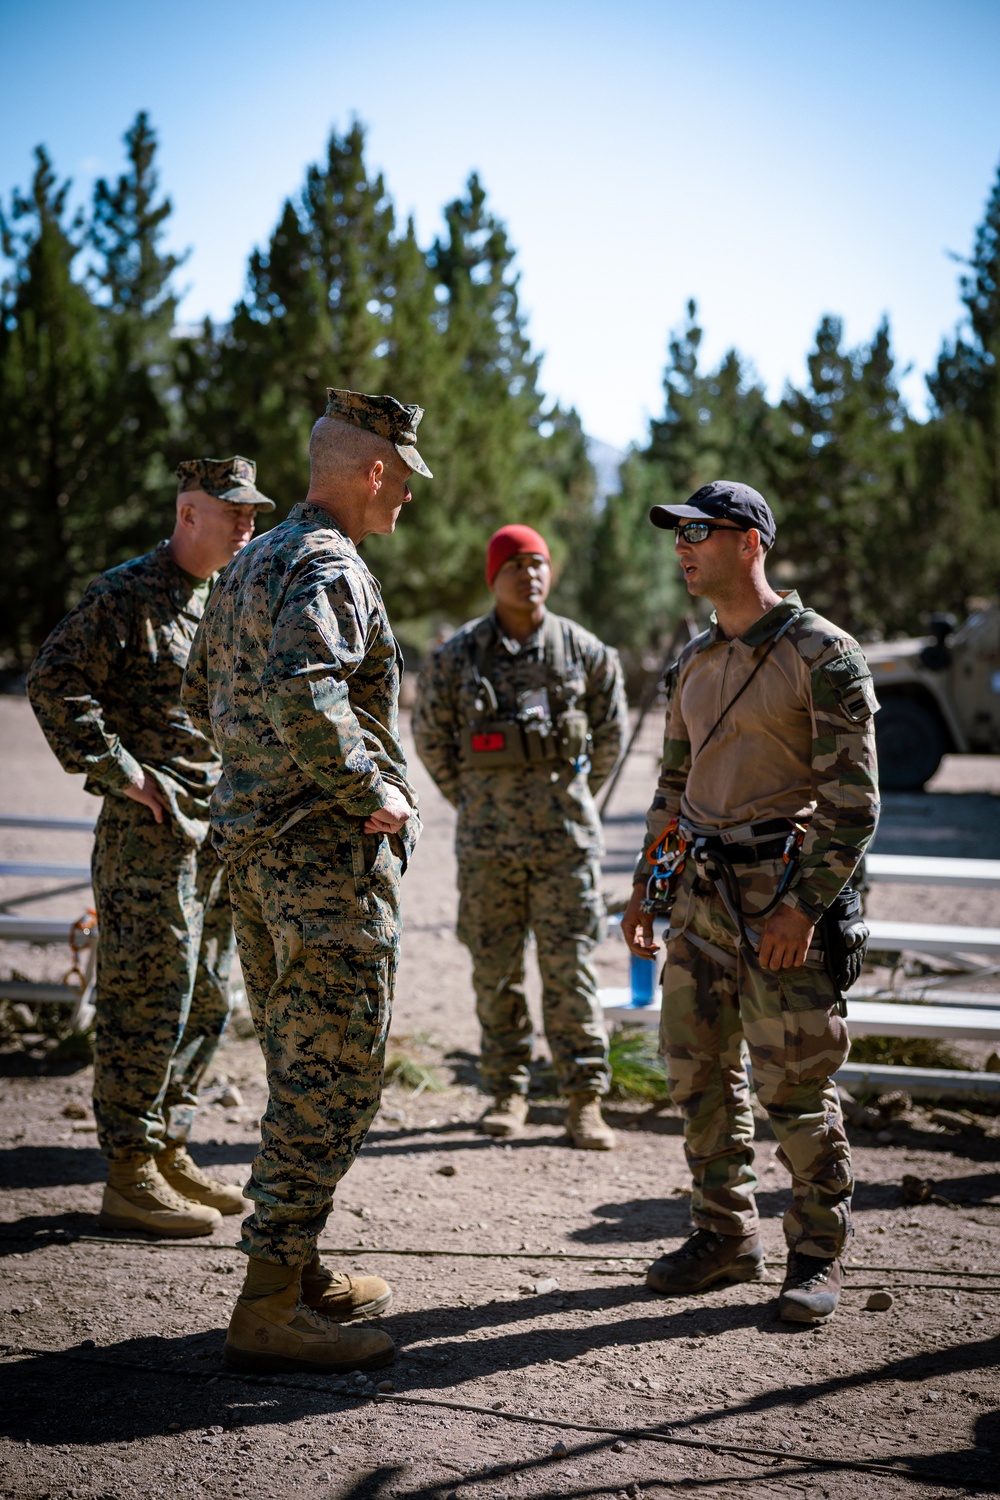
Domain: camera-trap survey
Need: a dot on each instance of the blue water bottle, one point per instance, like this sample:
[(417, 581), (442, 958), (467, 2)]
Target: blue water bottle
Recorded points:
[(643, 980)]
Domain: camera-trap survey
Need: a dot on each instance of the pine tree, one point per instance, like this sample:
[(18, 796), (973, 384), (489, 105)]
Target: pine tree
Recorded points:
[(843, 481), (52, 413), (966, 383), (497, 454), (630, 592), (715, 425), (132, 277), (315, 314)]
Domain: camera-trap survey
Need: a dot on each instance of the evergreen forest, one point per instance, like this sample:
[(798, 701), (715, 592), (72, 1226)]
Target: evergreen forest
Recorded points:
[(883, 518)]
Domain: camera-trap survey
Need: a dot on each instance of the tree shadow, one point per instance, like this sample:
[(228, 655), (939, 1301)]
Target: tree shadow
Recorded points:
[(50, 1166), (635, 1220), (16, 1063), (145, 1387), (40, 1231)]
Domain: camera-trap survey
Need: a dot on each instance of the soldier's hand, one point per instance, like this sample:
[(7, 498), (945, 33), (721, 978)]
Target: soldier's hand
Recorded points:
[(393, 813), (637, 926), (785, 939), (149, 794)]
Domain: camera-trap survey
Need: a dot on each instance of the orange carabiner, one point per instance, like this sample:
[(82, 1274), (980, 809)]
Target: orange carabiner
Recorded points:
[(670, 842), (79, 939)]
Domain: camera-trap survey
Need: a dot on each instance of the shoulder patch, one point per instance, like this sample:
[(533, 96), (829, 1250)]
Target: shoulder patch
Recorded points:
[(815, 638)]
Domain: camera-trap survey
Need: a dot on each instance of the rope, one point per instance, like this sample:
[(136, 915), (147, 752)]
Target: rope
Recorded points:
[(356, 1250), (637, 1434)]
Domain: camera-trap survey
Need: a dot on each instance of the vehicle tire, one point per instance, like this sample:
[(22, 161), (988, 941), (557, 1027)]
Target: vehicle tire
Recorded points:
[(910, 739)]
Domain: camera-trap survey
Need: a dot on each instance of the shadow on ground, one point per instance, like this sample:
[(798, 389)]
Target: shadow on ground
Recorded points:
[(143, 1387)]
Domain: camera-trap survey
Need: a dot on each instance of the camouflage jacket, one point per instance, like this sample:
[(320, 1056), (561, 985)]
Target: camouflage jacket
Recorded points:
[(295, 673), (106, 687), (799, 744), (534, 811)]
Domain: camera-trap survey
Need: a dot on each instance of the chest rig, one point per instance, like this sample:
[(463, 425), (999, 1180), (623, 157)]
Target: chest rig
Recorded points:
[(537, 733)]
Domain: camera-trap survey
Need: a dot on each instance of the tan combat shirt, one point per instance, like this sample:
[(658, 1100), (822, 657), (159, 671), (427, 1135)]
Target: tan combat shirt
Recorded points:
[(798, 744)]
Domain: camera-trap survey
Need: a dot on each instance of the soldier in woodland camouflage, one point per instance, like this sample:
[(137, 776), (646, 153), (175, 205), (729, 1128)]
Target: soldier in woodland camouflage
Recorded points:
[(295, 673), (769, 749), (106, 689), (528, 838)]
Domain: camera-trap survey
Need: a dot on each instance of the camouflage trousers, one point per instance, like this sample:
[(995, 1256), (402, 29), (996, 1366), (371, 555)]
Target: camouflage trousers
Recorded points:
[(500, 901), (721, 1009), (317, 926), (162, 994)]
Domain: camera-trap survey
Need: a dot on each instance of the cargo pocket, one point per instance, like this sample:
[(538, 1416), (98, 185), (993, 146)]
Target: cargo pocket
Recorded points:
[(355, 970), (368, 1025), (808, 987)]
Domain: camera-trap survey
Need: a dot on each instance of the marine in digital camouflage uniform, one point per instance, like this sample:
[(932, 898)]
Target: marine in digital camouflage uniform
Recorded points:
[(106, 688), (528, 838), (295, 673), (795, 746)]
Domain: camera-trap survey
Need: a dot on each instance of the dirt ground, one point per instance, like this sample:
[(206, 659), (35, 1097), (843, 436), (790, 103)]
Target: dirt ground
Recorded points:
[(532, 1360)]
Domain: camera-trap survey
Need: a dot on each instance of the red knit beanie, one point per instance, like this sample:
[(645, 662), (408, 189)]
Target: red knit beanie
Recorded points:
[(507, 543)]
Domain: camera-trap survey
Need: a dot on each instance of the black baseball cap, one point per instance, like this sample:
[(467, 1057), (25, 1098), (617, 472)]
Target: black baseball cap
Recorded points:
[(723, 500)]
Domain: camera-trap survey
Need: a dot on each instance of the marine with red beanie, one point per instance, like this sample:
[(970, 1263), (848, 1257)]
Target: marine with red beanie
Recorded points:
[(519, 719)]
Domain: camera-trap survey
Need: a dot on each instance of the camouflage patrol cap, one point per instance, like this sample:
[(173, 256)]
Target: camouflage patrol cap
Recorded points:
[(232, 479), (383, 415)]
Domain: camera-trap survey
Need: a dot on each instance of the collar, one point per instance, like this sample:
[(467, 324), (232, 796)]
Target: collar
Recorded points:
[(314, 515), (763, 629), (512, 647), (182, 582)]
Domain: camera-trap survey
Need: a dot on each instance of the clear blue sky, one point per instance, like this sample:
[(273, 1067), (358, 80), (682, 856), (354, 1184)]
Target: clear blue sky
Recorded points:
[(775, 160)]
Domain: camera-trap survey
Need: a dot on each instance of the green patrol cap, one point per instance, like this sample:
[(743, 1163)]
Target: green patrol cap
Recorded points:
[(232, 479), (386, 417)]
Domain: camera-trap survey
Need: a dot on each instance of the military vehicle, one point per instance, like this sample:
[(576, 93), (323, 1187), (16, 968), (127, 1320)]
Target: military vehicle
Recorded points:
[(939, 695)]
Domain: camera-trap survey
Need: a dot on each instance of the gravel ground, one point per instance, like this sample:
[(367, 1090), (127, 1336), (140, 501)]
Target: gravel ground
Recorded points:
[(517, 1269)]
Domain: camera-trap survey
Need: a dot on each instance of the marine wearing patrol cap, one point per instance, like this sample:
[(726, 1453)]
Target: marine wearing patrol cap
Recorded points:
[(232, 479), (723, 500), (385, 417)]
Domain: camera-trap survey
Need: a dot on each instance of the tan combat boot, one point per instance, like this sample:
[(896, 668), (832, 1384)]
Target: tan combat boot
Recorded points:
[(586, 1126), (137, 1197), (342, 1298), (187, 1178), (505, 1117), (275, 1332)]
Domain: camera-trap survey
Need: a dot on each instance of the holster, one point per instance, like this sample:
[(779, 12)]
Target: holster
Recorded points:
[(844, 939)]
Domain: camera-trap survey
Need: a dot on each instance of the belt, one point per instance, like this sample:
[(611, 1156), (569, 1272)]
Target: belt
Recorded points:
[(749, 844)]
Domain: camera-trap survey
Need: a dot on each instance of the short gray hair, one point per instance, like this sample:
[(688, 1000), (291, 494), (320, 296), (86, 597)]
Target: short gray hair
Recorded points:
[(339, 449)]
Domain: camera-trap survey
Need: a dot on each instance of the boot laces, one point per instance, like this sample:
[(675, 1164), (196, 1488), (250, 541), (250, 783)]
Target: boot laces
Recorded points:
[(306, 1320), (182, 1162), (808, 1271), (154, 1183), (700, 1244), (327, 1280)]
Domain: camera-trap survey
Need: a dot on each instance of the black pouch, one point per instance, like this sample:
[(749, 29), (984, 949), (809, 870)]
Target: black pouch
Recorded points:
[(844, 938)]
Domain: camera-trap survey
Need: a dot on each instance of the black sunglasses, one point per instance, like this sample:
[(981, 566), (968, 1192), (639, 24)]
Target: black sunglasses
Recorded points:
[(698, 531)]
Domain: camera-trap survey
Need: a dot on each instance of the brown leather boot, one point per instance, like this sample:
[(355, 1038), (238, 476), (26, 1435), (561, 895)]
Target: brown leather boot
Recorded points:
[(277, 1333), (342, 1298), (586, 1126), (811, 1289), (137, 1197), (707, 1259), (187, 1178), (505, 1117)]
